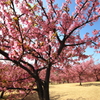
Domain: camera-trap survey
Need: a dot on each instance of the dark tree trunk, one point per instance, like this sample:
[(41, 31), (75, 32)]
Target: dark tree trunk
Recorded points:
[(2, 94), (80, 83), (68, 81), (46, 92), (80, 80), (97, 79), (40, 91), (43, 86), (43, 90)]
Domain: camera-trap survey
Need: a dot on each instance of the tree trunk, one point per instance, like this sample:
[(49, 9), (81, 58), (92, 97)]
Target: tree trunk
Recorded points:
[(80, 80), (97, 79), (68, 81), (80, 83), (46, 93), (40, 91), (2, 93), (43, 91), (43, 86)]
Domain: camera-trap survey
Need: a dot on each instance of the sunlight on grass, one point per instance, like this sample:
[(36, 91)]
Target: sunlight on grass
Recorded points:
[(72, 91)]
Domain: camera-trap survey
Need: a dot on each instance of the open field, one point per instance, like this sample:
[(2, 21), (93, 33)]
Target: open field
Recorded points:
[(72, 91)]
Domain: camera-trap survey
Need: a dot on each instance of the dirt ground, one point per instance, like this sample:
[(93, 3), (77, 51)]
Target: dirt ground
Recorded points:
[(71, 91)]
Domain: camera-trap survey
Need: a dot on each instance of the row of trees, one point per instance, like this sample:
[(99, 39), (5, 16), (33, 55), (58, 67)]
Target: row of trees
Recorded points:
[(36, 38), (81, 72)]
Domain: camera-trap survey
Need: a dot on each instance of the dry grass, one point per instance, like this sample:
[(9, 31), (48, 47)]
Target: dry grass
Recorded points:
[(71, 91)]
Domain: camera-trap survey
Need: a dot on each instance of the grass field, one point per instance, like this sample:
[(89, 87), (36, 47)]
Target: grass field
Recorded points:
[(71, 91)]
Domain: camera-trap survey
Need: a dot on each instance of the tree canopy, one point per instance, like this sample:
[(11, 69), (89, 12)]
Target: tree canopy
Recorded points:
[(36, 38)]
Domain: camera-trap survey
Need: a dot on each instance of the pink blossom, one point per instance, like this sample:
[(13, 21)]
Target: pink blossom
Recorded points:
[(95, 32), (78, 1), (98, 10)]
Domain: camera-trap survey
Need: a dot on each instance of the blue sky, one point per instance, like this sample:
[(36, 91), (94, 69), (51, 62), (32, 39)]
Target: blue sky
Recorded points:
[(89, 51)]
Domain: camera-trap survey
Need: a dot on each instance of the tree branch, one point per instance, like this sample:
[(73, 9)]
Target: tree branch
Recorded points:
[(43, 10), (16, 62), (81, 8), (75, 44), (20, 89), (41, 69)]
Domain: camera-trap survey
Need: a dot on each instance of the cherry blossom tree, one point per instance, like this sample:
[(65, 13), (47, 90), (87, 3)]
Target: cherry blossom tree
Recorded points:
[(95, 72), (37, 38), (13, 77), (81, 70)]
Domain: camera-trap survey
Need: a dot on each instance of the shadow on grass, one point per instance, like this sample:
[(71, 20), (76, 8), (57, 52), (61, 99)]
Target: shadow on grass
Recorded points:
[(80, 98), (91, 84), (56, 97)]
